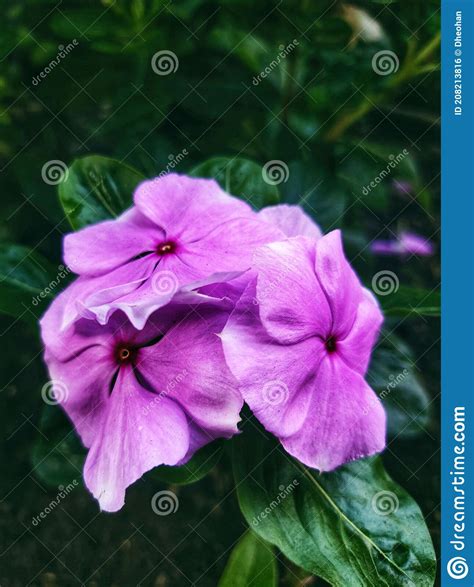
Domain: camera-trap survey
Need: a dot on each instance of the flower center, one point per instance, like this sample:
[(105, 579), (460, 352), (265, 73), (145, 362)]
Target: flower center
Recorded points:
[(166, 248), (124, 354), (330, 344)]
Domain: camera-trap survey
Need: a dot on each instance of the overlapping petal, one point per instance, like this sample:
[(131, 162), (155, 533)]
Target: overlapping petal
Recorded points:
[(339, 282), (291, 220), (292, 303), (356, 347), (275, 379), (187, 366)]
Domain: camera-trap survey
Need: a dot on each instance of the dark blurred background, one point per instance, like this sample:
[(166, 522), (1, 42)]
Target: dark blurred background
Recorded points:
[(326, 109)]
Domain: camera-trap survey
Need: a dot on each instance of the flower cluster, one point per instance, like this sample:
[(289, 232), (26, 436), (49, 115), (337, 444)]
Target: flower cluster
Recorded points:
[(191, 303)]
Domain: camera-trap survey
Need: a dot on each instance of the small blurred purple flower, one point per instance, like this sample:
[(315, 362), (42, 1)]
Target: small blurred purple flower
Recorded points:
[(408, 243), (402, 188)]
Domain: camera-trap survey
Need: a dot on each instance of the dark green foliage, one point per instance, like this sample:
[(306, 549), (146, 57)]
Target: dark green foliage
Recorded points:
[(111, 120)]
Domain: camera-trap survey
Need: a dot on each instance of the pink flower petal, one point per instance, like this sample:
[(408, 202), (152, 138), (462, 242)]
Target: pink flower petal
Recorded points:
[(346, 420), (291, 220), (188, 366), (357, 347), (275, 379), (229, 246), (186, 207), (131, 441), (100, 248), (292, 304), (339, 282)]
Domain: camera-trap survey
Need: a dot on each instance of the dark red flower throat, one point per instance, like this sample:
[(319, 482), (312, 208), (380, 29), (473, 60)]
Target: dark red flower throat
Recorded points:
[(331, 344), (165, 248), (125, 354)]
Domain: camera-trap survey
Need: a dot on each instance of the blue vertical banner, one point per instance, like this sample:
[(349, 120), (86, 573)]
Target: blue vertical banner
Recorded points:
[(457, 525)]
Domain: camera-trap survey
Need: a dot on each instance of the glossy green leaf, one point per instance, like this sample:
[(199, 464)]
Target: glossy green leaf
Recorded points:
[(252, 563), (195, 469), (58, 455), (393, 376), (240, 177), (27, 280), (410, 301), (354, 526), (97, 188)]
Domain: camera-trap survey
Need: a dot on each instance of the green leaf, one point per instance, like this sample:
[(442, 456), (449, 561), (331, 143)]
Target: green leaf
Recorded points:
[(251, 49), (58, 455), (410, 301), (26, 280), (195, 469), (97, 188), (321, 196), (393, 377), (251, 563), (354, 526), (240, 177)]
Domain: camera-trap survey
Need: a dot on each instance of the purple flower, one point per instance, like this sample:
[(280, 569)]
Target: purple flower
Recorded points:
[(403, 188), (301, 353), (141, 398), (182, 232), (408, 243)]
